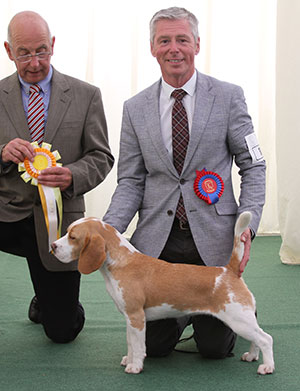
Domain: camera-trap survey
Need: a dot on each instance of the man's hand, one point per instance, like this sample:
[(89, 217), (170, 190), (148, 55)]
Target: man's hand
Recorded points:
[(17, 150), (56, 177), (246, 239)]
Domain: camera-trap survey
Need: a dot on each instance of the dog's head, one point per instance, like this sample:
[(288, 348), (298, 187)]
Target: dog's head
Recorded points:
[(84, 242)]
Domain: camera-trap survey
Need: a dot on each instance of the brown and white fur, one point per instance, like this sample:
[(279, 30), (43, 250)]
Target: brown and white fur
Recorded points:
[(145, 288)]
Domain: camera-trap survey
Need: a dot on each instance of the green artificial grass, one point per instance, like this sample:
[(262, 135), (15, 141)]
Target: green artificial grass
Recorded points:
[(29, 361)]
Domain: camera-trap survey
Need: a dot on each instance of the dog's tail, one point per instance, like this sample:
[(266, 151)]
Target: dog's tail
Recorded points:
[(241, 225)]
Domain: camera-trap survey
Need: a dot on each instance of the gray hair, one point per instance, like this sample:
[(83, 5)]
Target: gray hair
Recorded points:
[(174, 13)]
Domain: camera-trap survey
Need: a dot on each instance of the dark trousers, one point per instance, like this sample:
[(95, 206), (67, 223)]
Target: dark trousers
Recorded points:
[(57, 292), (213, 338)]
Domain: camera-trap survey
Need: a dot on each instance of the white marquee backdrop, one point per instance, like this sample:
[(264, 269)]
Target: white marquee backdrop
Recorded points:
[(107, 44)]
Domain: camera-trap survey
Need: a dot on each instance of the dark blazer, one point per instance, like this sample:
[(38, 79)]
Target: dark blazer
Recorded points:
[(76, 127), (149, 184)]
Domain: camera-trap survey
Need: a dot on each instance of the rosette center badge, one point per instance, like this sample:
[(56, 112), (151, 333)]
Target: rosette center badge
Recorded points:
[(208, 186), (44, 158)]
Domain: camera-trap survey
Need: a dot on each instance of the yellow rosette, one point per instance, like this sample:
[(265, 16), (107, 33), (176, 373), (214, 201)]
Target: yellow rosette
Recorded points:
[(50, 196)]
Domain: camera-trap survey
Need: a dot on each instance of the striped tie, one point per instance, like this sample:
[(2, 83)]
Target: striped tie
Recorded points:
[(180, 140), (36, 119)]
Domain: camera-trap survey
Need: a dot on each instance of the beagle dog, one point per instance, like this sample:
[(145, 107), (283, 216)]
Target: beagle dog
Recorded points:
[(145, 288)]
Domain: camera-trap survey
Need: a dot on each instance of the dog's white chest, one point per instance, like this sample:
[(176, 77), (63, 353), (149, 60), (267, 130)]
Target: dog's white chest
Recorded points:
[(113, 288)]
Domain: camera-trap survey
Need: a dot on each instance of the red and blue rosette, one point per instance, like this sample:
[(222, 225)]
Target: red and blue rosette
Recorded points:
[(208, 186)]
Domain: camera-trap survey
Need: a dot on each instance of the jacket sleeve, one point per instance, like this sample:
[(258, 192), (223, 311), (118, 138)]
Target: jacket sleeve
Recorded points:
[(128, 195), (96, 159), (247, 155)]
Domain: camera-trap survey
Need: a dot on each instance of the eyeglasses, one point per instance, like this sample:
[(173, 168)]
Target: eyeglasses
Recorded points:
[(28, 57)]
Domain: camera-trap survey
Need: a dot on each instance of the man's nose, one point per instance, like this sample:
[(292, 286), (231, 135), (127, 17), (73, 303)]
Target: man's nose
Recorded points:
[(34, 61), (174, 46)]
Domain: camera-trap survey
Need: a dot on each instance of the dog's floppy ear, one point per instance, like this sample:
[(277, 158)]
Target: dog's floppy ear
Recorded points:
[(92, 255)]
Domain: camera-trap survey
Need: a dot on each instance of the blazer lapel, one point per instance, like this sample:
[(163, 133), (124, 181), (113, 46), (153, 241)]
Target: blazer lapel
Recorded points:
[(14, 107), (152, 120), (203, 106), (59, 103)]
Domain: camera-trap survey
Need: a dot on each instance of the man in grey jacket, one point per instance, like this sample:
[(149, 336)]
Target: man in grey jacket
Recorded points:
[(220, 131), (74, 124)]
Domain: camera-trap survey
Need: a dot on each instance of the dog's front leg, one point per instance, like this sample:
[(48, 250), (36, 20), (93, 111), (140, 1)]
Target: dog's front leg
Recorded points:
[(134, 361), (127, 359)]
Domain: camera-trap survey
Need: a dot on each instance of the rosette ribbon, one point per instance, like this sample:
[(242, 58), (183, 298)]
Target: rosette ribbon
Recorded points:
[(50, 196), (208, 186)]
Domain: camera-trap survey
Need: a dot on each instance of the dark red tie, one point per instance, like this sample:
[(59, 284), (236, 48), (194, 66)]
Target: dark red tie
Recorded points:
[(180, 137), (36, 118)]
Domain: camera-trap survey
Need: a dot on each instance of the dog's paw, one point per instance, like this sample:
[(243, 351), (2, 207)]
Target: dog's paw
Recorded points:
[(133, 368), (124, 361), (249, 357), (265, 369)]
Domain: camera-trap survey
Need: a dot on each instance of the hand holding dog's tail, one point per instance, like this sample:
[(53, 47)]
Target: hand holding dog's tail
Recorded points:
[(241, 244)]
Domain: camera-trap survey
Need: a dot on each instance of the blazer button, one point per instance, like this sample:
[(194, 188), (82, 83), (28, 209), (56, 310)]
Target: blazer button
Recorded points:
[(170, 212), (182, 181)]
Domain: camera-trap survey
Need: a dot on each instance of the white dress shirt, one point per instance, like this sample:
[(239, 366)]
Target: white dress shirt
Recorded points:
[(166, 102)]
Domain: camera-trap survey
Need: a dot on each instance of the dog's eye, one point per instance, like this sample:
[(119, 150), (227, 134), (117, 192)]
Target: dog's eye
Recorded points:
[(71, 237)]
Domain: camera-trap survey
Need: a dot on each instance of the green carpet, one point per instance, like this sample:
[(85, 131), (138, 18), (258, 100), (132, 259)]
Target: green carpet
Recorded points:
[(29, 361)]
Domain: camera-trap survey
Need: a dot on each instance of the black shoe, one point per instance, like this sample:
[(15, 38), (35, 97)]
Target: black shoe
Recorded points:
[(34, 312)]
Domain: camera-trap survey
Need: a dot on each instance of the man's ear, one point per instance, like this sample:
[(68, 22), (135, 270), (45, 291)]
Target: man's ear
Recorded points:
[(52, 45), (8, 50), (197, 46), (153, 52)]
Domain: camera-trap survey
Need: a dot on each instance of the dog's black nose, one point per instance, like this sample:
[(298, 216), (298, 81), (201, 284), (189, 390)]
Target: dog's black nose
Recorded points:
[(53, 246)]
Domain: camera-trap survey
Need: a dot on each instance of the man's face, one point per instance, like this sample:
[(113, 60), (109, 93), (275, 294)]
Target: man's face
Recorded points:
[(30, 38), (175, 48)]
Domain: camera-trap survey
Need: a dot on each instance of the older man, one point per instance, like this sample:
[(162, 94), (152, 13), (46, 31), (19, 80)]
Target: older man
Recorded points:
[(178, 141), (72, 120)]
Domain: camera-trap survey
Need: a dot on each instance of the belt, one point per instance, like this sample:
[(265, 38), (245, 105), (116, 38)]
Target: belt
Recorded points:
[(183, 226)]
